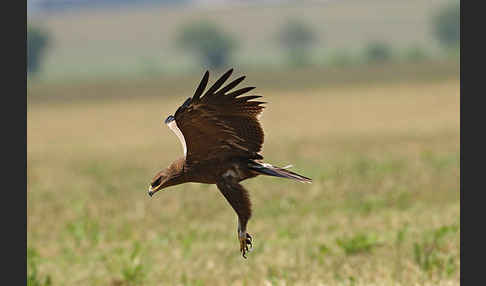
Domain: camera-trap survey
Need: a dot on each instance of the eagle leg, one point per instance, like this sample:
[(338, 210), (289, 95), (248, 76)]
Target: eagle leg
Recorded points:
[(239, 200)]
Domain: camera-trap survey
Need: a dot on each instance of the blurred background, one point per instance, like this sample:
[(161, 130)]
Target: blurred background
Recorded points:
[(363, 98)]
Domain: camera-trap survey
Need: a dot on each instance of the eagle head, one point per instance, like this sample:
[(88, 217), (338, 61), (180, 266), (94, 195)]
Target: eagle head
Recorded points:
[(157, 183), (171, 176)]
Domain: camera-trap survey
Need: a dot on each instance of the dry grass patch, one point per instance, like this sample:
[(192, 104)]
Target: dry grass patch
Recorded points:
[(384, 207)]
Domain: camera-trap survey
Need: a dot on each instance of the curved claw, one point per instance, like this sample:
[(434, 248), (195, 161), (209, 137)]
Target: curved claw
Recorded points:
[(244, 243), (248, 241)]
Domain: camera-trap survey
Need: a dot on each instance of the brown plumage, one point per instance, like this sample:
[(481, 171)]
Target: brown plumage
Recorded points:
[(222, 141)]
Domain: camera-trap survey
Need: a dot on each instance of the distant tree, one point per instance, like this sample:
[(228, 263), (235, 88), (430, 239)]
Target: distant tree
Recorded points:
[(446, 24), (415, 54), (37, 41), (378, 52), (208, 41), (296, 37)]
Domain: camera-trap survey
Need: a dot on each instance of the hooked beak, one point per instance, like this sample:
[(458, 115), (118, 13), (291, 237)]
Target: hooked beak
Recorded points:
[(152, 191)]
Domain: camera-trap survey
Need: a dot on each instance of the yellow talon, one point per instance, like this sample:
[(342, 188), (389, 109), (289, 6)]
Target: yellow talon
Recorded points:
[(245, 241)]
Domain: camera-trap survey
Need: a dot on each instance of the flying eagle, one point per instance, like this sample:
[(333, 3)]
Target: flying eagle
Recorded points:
[(222, 141)]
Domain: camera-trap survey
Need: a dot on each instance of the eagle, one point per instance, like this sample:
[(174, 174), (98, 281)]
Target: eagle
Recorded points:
[(222, 141)]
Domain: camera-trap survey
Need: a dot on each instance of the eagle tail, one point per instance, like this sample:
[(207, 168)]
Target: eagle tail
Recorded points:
[(269, 170)]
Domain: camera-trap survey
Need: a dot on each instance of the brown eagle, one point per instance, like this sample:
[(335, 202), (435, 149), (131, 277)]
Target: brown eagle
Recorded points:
[(222, 141)]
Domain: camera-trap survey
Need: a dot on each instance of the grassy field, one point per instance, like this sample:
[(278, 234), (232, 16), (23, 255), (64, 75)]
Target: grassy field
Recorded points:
[(383, 208)]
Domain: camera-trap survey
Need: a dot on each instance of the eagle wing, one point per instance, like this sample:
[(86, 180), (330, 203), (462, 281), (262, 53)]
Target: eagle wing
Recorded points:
[(219, 124)]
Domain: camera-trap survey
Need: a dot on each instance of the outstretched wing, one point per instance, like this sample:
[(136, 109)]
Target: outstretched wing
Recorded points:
[(219, 124)]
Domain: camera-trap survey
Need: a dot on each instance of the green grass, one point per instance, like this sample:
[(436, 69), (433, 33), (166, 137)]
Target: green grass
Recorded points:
[(431, 253), (33, 276), (383, 208), (358, 243)]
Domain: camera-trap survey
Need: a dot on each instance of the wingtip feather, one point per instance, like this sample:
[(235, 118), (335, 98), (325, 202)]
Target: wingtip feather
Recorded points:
[(202, 85)]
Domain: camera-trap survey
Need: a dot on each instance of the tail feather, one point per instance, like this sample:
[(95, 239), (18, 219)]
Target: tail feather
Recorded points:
[(269, 170)]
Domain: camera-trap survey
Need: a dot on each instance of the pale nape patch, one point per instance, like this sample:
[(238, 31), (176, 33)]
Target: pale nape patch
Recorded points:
[(173, 126)]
